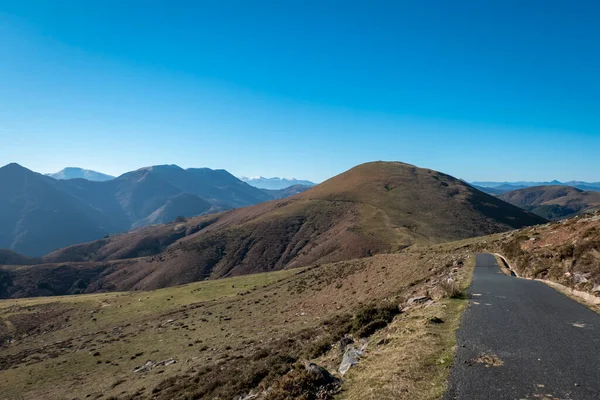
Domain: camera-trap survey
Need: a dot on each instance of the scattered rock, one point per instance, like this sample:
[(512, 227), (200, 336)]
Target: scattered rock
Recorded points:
[(579, 278), (323, 375), (150, 365), (381, 342), (596, 289), (344, 343), (418, 300), (249, 396), (436, 320), (351, 357)]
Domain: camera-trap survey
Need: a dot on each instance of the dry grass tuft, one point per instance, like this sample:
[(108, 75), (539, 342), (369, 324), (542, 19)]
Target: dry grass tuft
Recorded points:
[(452, 290), (489, 360)]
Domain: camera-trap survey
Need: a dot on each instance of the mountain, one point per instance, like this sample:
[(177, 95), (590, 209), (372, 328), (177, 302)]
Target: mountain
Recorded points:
[(287, 192), (39, 213), (76, 173), (217, 186), (554, 202), (9, 257), (373, 208), (275, 183), (508, 186), (36, 215)]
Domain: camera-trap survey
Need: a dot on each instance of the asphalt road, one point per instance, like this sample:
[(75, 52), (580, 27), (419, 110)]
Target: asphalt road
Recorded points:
[(520, 339)]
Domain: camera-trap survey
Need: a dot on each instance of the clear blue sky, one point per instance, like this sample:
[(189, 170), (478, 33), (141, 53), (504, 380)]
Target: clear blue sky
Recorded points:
[(483, 90)]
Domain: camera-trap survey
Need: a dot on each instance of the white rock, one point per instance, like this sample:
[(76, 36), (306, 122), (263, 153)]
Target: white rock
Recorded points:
[(579, 278)]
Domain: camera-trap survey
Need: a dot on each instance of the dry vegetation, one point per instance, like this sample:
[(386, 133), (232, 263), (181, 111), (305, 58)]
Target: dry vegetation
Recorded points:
[(240, 335), (412, 356)]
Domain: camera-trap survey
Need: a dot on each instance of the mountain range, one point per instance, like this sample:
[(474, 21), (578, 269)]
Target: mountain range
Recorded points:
[(378, 207), (554, 202), (75, 173), (275, 183), (39, 213), (503, 187)]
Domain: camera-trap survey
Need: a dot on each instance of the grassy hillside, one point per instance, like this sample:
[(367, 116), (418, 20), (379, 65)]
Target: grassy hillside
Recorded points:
[(554, 202), (239, 335), (373, 208), (421, 202)]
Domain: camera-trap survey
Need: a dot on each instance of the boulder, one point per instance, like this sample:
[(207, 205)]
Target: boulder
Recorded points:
[(579, 278), (344, 343), (323, 376), (351, 357)]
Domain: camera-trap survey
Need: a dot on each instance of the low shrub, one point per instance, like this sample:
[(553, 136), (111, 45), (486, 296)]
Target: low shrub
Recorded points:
[(371, 328), (321, 347), (296, 384), (373, 312), (371, 318)]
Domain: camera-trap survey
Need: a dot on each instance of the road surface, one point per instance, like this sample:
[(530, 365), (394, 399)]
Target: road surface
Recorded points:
[(520, 339)]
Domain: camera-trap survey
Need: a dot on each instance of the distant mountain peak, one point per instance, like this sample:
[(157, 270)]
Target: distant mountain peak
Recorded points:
[(80, 173), (161, 167), (14, 170), (502, 187), (275, 183), (166, 166), (13, 166)]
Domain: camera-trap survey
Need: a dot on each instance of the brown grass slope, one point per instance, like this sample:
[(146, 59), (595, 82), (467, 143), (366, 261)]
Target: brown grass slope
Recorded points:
[(230, 337), (373, 208), (553, 202)]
